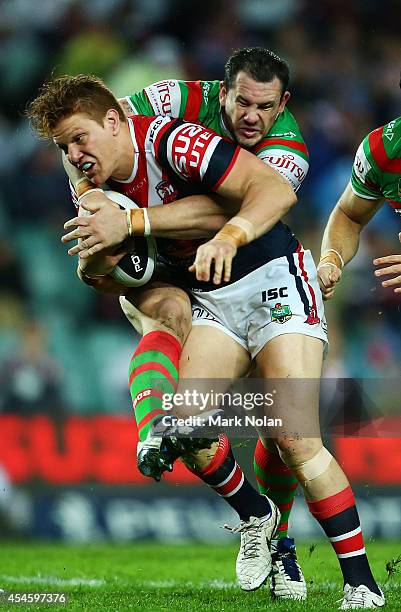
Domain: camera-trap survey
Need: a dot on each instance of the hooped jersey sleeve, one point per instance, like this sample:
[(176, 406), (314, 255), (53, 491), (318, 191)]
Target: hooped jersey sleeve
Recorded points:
[(364, 177), (195, 153), (377, 165), (196, 101)]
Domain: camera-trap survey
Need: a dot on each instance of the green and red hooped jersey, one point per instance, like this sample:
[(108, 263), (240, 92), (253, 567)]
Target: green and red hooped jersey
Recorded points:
[(376, 172), (198, 101)]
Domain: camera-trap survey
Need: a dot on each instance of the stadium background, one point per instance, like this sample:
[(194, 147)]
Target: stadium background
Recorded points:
[(67, 451)]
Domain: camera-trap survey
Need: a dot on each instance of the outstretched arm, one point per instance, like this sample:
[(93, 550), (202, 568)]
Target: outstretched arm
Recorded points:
[(341, 237)]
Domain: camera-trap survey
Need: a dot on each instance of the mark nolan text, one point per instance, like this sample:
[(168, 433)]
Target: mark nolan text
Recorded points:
[(222, 421)]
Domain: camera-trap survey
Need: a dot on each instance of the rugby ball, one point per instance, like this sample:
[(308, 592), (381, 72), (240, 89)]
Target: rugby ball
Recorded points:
[(136, 268)]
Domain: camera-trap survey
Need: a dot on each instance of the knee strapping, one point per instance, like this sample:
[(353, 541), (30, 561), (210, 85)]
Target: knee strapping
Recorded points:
[(314, 467)]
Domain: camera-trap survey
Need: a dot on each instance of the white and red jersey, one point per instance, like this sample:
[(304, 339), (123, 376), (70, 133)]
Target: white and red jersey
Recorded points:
[(174, 159)]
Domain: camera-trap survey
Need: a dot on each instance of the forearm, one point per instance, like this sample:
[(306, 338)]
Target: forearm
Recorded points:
[(341, 236), (197, 216), (265, 203)]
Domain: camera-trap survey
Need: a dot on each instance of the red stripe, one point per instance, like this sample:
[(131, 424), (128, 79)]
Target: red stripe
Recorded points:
[(160, 341), (330, 506), (349, 545), (261, 482), (379, 153), (228, 169), (152, 365), (376, 147), (285, 506), (305, 277), (219, 456), (150, 393), (232, 483), (150, 415), (291, 144), (282, 527), (194, 101)]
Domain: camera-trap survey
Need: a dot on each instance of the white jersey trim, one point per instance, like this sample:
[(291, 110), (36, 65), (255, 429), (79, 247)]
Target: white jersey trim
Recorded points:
[(131, 105), (136, 154), (364, 196)]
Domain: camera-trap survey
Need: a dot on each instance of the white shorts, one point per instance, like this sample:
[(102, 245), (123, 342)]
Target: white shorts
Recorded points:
[(281, 297)]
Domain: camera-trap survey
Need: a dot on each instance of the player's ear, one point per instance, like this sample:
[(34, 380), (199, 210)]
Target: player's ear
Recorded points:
[(112, 120), (284, 99), (222, 94)]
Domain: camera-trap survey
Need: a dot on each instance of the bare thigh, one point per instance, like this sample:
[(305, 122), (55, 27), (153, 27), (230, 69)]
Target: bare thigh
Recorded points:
[(294, 363), (209, 353)]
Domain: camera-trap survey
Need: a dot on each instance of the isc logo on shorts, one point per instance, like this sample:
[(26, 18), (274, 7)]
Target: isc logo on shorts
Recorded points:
[(273, 294)]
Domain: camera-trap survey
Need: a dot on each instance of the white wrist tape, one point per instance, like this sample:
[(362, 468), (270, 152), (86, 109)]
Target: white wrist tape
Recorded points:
[(88, 192), (129, 221), (337, 253), (147, 227), (245, 225)]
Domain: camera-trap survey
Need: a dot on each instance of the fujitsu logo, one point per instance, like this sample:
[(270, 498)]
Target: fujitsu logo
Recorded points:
[(286, 162)]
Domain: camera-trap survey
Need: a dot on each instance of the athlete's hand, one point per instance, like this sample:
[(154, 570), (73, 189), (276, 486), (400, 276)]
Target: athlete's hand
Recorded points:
[(393, 267), (328, 275), (221, 253), (103, 284), (104, 227)]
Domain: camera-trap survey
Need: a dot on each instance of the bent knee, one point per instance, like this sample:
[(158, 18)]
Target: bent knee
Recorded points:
[(296, 450), (175, 314)]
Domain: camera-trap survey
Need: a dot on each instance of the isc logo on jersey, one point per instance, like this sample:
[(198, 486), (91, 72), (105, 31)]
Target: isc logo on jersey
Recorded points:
[(361, 164), (136, 268)]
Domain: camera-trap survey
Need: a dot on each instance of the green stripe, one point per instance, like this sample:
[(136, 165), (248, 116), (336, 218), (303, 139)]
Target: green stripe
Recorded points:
[(151, 380), (281, 497), (141, 103), (143, 433), (280, 479), (147, 356), (184, 97), (147, 405)]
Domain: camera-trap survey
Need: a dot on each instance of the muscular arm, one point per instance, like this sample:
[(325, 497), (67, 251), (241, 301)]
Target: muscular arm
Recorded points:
[(263, 194), (341, 236), (265, 197)]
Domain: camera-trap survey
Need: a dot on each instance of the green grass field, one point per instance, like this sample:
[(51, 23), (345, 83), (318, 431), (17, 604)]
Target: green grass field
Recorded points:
[(164, 577)]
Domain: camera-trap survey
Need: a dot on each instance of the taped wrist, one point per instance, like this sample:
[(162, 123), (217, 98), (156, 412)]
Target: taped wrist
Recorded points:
[(237, 231), (332, 256), (138, 222)]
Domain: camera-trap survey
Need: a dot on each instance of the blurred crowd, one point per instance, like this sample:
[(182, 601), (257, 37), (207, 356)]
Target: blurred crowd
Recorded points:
[(63, 347)]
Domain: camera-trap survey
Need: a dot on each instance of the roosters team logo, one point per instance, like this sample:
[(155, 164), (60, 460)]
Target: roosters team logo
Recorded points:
[(312, 319), (166, 192)]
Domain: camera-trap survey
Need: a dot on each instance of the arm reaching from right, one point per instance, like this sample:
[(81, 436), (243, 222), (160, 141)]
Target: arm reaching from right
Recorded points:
[(341, 237)]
